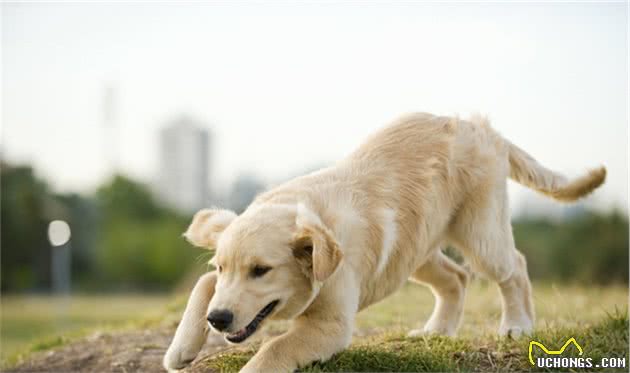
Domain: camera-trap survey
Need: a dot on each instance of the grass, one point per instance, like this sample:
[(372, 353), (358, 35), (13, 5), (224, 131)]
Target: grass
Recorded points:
[(36, 322), (394, 352), (596, 316), (556, 306)]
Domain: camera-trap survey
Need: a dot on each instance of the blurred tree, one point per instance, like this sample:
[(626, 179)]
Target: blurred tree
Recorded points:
[(25, 247), (588, 248), (139, 243), (123, 197), (123, 239)]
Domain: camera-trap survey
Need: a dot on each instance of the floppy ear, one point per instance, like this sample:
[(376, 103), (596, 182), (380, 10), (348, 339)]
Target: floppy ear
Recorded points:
[(315, 244), (207, 225)]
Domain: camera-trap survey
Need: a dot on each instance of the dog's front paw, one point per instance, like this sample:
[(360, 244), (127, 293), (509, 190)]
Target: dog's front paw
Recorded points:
[(426, 331), (415, 333), (514, 331), (176, 359)]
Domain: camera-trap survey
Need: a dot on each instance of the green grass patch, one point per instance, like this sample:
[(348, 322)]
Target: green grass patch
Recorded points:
[(48, 343), (37, 323), (394, 352)]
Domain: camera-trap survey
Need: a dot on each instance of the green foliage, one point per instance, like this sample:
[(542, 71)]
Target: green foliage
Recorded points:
[(589, 248), (122, 197), (140, 244), (26, 204), (121, 238)]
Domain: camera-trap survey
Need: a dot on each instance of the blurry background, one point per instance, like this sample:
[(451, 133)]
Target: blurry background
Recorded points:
[(123, 119)]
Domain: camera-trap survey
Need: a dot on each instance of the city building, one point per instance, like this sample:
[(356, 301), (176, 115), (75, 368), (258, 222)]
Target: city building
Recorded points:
[(183, 166)]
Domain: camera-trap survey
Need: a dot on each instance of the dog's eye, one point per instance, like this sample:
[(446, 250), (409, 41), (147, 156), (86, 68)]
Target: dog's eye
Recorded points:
[(259, 271), (220, 269)]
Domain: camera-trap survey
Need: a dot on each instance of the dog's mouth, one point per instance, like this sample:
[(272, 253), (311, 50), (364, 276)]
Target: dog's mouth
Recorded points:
[(247, 331)]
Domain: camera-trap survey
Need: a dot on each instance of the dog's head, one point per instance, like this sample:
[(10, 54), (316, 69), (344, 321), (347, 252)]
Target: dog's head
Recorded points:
[(271, 262)]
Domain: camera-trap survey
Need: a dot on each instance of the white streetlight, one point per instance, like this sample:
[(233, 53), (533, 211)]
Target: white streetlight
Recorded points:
[(59, 237), (58, 232)]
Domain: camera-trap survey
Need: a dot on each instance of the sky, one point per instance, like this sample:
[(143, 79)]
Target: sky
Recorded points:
[(285, 87)]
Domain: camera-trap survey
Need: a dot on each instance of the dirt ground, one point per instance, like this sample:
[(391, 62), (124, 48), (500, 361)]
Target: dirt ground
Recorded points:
[(133, 351), (129, 351)]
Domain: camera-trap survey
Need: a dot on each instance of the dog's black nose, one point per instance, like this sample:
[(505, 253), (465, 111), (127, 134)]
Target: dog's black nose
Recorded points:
[(220, 319)]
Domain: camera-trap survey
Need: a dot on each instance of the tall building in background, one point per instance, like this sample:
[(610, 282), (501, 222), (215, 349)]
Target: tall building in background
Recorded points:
[(184, 165), (110, 127)]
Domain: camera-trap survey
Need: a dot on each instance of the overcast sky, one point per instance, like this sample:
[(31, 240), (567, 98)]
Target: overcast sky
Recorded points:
[(288, 86)]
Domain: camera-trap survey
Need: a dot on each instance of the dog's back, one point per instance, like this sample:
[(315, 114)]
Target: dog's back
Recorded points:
[(397, 197)]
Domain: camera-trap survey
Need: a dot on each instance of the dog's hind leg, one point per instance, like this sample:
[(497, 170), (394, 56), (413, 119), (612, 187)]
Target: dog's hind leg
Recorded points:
[(516, 296), (447, 281), (483, 233)]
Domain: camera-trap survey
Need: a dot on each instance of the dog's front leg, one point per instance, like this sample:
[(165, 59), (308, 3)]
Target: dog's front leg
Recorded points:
[(192, 331), (308, 340)]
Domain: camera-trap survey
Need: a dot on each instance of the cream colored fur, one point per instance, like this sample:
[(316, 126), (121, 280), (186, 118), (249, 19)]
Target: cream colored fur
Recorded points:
[(347, 236)]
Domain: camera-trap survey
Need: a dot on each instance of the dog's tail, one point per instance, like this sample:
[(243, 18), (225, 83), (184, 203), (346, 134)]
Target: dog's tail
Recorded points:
[(525, 170)]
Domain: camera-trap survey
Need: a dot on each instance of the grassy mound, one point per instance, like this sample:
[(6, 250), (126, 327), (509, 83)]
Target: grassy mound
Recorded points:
[(393, 352)]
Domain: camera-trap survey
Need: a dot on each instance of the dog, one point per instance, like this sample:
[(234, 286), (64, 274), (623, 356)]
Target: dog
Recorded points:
[(318, 249)]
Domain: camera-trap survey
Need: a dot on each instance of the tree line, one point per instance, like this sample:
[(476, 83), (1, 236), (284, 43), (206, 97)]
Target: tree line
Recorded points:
[(123, 239)]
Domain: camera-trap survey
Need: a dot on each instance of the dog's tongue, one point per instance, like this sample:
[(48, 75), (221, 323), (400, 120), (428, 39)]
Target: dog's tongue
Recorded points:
[(240, 333)]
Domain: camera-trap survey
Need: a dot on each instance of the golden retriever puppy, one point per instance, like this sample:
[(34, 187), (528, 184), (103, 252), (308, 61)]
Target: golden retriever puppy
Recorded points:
[(322, 247)]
